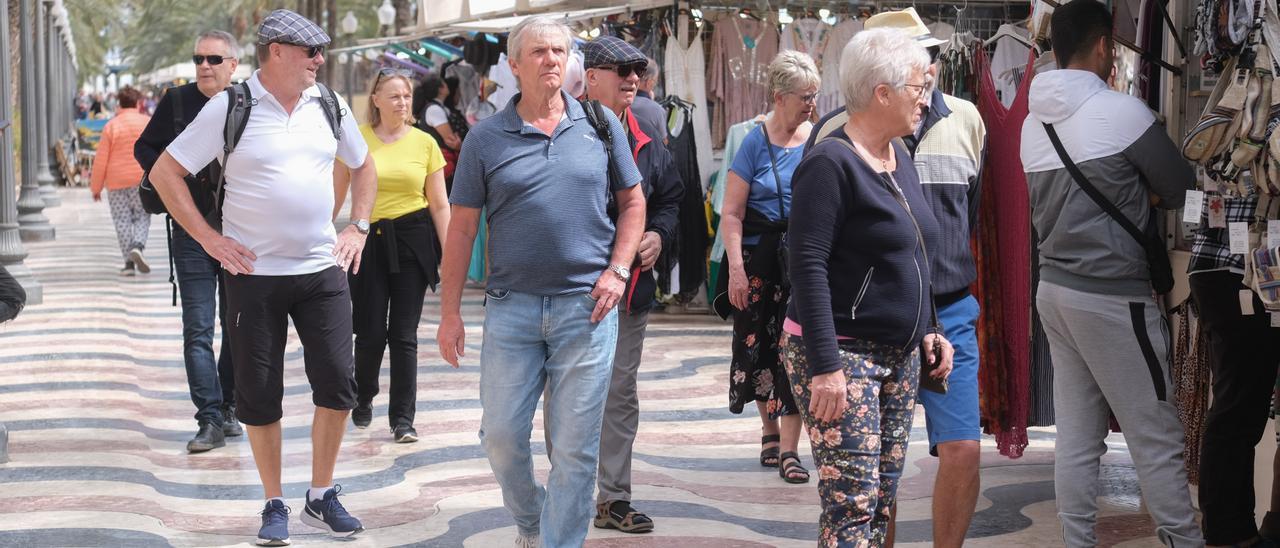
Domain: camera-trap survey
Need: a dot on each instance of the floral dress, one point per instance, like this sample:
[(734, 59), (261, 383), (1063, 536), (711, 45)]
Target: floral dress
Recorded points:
[(756, 372)]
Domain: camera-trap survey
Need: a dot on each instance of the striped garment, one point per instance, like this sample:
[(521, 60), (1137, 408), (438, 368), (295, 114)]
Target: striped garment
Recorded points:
[(113, 164)]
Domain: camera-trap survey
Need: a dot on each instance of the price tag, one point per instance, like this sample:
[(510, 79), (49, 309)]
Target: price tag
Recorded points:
[(1273, 233), (1275, 319), (1246, 303), (1194, 207), (1239, 234), (1217, 212)]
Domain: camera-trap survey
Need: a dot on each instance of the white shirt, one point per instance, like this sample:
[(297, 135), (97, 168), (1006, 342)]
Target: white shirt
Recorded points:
[(434, 115), (279, 179)]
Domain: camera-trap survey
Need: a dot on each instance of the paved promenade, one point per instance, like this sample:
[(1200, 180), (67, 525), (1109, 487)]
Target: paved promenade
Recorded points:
[(93, 391)]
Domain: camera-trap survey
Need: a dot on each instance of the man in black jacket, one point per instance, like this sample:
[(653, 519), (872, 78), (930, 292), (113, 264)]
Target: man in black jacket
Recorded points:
[(211, 383), (614, 68), (12, 296)]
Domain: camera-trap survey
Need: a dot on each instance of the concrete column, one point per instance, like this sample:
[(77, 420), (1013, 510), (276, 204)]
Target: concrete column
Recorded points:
[(12, 252), (32, 224), (48, 191)]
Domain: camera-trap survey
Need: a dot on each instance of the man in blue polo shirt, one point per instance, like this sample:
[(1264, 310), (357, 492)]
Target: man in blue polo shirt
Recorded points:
[(558, 269)]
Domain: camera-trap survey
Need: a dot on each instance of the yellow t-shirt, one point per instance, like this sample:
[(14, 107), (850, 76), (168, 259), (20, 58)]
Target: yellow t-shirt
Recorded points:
[(403, 167)]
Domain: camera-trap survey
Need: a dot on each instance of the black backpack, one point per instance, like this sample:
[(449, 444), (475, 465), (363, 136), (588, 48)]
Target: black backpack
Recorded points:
[(207, 190)]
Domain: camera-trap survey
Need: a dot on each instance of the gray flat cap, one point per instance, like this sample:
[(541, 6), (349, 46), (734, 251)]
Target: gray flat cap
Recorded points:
[(607, 50), (287, 27)]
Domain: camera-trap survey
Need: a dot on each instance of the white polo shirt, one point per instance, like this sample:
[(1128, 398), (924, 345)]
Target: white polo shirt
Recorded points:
[(279, 179)]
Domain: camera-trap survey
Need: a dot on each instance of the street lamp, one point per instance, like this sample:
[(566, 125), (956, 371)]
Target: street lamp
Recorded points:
[(350, 23), (386, 14), (348, 27)]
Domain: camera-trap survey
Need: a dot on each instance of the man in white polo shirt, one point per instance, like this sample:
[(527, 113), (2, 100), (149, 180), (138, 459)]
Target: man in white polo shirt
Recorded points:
[(284, 258)]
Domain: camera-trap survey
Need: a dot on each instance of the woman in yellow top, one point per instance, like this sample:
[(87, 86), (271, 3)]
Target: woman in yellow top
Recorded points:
[(402, 255)]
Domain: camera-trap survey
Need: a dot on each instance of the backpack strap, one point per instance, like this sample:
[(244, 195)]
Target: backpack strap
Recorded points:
[(239, 103), (596, 116), (179, 123), (332, 110)]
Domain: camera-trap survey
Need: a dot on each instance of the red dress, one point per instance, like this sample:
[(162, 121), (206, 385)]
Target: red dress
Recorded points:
[(1003, 251)]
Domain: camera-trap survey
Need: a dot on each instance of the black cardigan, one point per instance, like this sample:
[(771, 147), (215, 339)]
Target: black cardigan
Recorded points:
[(857, 269)]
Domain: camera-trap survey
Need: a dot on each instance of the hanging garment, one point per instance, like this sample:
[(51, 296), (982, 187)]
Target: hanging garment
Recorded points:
[(807, 36), (741, 50), (1190, 371), (1041, 397), (686, 77), (715, 195), (940, 30), (1008, 66), (686, 265), (1005, 282), (829, 95), (468, 83), (507, 88)]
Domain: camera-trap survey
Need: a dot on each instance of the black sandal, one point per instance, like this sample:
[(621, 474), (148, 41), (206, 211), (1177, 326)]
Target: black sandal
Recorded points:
[(790, 464), (769, 455)]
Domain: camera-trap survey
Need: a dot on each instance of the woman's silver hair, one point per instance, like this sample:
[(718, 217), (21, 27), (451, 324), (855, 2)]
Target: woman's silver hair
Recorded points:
[(233, 46), (874, 57), (792, 71), (537, 26)]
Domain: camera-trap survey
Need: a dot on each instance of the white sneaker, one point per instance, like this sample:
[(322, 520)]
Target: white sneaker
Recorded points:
[(527, 542), (139, 261)]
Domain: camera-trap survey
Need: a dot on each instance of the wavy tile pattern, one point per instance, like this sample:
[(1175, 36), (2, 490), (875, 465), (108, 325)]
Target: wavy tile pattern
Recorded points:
[(93, 391)]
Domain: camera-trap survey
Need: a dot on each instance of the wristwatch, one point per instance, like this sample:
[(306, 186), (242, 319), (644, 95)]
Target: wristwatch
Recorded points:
[(362, 225), (621, 271)]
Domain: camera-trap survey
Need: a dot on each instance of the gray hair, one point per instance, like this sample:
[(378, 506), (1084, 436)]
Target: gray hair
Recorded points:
[(650, 70), (537, 26), (874, 57), (792, 71), (233, 46)]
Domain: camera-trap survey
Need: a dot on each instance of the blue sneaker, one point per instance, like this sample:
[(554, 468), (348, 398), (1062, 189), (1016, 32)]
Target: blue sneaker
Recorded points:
[(275, 525), (328, 514)]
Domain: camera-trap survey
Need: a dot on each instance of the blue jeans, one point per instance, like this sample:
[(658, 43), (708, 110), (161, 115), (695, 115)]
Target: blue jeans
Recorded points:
[(533, 342), (200, 284)]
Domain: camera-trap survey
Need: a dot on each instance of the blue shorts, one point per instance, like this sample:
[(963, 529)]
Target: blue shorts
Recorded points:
[(954, 416)]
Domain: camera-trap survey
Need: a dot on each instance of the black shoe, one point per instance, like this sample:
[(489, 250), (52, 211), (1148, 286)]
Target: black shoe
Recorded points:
[(209, 437), (230, 425), (362, 415), (404, 433)]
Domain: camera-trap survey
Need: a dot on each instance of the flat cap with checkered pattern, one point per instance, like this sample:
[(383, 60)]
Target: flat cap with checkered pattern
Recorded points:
[(287, 27), (607, 50)]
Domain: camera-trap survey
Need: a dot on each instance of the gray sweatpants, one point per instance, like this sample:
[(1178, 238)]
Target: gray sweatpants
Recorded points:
[(1110, 352), (621, 411)]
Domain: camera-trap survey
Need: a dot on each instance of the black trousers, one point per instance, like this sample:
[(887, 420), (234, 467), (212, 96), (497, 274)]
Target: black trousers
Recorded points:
[(396, 298), (258, 312), (1244, 352)]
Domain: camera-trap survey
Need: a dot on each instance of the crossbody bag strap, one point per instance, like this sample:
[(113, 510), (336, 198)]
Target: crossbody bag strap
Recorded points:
[(773, 164), (1093, 191)]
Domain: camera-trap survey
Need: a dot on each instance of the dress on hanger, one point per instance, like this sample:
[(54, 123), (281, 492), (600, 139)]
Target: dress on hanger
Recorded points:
[(1007, 65), (829, 97), (1004, 259), (807, 36), (740, 54), (685, 76)]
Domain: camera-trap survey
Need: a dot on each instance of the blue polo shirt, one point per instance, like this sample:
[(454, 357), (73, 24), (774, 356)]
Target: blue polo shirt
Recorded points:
[(545, 198)]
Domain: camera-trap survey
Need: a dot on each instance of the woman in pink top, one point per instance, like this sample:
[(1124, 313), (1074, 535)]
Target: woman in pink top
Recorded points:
[(115, 168)]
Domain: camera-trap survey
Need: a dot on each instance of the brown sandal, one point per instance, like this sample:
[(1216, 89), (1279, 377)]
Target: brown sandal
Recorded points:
[(620, 515)]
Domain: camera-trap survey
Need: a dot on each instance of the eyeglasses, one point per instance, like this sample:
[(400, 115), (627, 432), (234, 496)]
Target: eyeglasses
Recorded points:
[(626, 70), (213, 60), (811, 98), (920, 88)]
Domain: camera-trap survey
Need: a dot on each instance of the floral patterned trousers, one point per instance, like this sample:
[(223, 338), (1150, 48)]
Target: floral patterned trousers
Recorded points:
[(860, 457)]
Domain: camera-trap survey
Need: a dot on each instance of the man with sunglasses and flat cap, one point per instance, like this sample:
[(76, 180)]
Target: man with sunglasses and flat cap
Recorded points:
[(614, 69), (282, 257), (211, 382)]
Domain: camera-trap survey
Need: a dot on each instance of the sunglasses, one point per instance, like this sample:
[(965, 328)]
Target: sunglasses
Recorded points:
[(628, 69), (312, 51), (213, 60), (392, 71)]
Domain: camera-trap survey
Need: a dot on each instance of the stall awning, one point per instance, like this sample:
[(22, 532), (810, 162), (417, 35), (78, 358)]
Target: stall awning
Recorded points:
[(502, 15), (435, 13)]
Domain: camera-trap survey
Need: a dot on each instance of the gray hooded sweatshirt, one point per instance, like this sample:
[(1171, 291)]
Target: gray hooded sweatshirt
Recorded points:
[(1124, 152)]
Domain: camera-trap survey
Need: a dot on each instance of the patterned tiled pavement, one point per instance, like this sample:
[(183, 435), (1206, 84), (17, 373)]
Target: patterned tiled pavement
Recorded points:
[(93, 391)]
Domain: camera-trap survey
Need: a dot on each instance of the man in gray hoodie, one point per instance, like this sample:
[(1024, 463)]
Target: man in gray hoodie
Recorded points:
[(1107, 332)]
